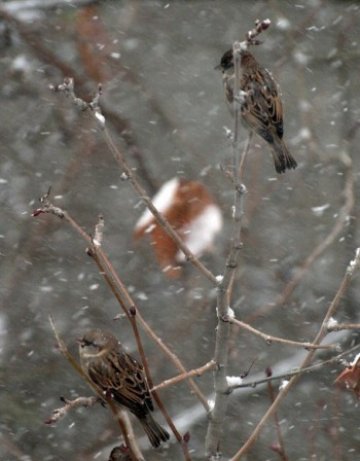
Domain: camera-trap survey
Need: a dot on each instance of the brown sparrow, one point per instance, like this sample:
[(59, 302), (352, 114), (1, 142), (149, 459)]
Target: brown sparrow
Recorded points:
[(261, 108), (120, 377)]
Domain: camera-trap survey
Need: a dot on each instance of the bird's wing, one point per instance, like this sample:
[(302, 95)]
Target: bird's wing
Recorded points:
[(262, 109), (123, 378), (272, 100)]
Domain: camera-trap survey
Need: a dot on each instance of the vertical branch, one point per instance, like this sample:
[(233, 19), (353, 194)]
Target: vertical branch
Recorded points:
[(224, 313), (224, 294)]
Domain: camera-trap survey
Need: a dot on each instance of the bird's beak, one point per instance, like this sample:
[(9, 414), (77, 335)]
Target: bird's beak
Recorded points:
[(79, 341)]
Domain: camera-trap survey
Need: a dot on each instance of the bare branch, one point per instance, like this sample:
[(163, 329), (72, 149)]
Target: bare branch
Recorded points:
[(343, 326), (61, 412), (275, 339), (260, 26), (217, 415), (68, 88), (225, 287), (48, 207), (179, 378), (296, 371)]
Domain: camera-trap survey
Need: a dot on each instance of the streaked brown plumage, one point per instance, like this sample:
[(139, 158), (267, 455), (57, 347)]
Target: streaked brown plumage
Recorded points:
[(119, 376), (261, 110)]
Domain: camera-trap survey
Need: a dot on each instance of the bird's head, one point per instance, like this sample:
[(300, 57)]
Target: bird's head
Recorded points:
[(96, 342), (227, 61)]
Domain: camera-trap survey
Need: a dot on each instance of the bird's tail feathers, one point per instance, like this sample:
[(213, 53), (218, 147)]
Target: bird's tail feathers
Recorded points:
[(154, 431), (282, 158)]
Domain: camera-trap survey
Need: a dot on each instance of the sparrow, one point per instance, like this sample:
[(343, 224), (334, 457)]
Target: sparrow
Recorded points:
[(117, 375), (261, 109)]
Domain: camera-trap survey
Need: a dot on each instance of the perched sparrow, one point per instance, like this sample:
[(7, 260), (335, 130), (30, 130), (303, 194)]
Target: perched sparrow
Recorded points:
[(120, 377), (261, 110)]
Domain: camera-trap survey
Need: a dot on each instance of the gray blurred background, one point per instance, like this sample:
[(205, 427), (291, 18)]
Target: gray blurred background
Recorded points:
[(156, 62)]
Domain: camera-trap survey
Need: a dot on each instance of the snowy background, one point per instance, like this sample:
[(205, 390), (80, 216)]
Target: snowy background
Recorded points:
[(156, 62)]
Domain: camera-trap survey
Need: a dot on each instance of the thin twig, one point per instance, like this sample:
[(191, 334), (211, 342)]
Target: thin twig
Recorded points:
[(296, 371), (69, 405), (217, 415), (179, 378), (275, 339)]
